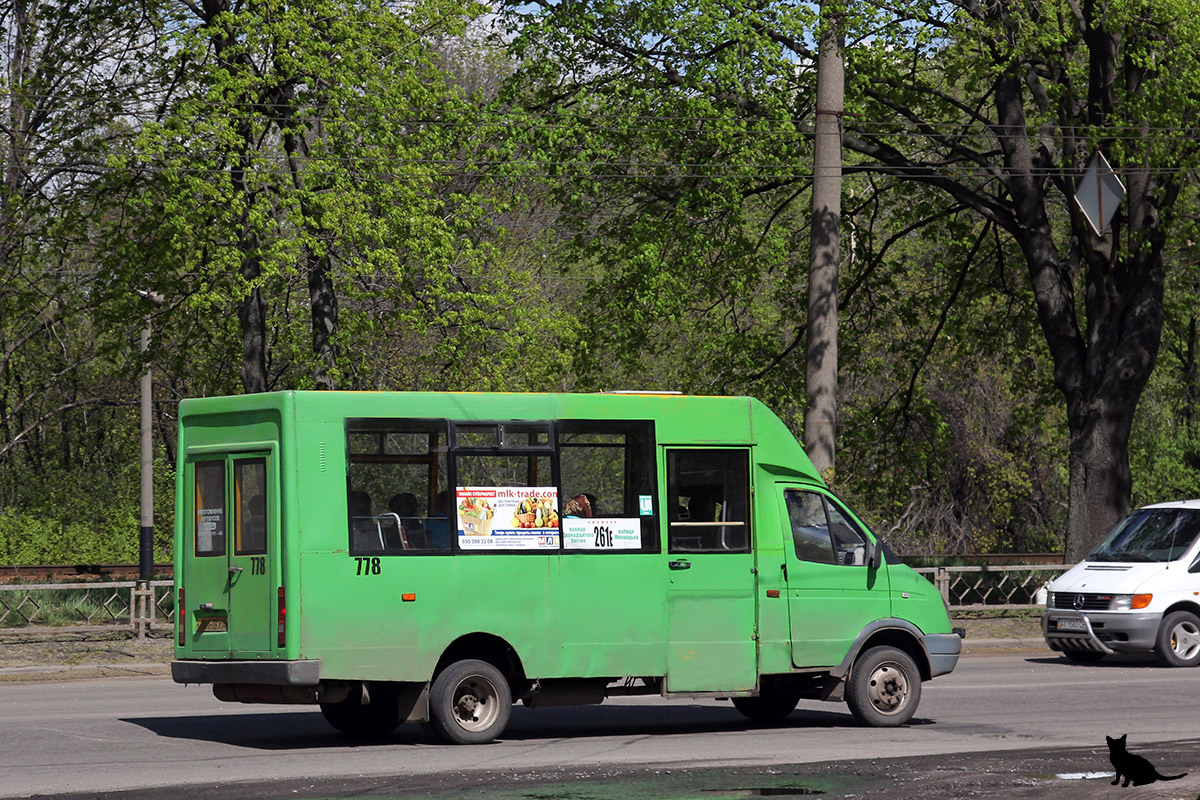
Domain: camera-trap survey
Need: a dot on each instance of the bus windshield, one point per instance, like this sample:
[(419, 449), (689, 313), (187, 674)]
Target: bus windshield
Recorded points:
[(1150, 534)]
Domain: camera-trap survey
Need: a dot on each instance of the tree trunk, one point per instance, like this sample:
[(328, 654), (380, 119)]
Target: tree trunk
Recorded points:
[(1100, 481), (252, 313), (323, 300)]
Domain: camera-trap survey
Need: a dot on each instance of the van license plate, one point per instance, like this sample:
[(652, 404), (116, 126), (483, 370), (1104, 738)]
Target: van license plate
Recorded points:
[(211, 624), (1072, 624)]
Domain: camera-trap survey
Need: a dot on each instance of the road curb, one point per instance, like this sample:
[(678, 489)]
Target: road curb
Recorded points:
[(977, 646), (58, 672)]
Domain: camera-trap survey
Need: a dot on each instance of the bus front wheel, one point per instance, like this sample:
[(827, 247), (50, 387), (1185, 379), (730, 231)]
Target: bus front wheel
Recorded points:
[(469, 702), (884, 688), (373, 720)]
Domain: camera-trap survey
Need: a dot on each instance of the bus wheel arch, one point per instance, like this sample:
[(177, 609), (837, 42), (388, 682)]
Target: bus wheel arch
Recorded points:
[(898, 637), (486, 647)]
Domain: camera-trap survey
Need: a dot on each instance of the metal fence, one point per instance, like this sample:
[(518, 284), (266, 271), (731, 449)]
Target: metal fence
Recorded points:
[(137, 606), (141, 607), (996, 586)]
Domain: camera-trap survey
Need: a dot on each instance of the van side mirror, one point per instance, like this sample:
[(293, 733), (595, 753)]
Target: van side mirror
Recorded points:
[(872, 555)]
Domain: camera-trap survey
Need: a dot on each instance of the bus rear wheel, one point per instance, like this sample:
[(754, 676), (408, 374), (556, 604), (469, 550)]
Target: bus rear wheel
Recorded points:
[(769, 707), (884, 688), (470, 702), (374, 720)]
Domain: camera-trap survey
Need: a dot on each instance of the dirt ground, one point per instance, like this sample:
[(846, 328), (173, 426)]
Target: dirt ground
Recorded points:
[(42, 653)]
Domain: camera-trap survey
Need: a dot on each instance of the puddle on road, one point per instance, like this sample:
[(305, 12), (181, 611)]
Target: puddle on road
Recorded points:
[(666, 785), (765, 791)]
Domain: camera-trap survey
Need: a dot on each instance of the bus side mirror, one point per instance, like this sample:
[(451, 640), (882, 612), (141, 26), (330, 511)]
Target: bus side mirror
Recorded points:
[(872, 555)]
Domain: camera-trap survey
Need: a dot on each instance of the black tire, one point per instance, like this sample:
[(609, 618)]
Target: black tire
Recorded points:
[(1083, 656), (470, 702), (884, 688), (374, 720), (1178, 642), (768, 708)]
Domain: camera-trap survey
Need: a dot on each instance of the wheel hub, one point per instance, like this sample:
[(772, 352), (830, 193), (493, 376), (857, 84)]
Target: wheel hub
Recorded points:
[(1185, 640), (888, 688), (468, 704)]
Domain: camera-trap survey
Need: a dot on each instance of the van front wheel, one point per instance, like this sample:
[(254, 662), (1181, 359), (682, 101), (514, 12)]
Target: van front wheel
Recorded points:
[(884, 688), (1178, 642), (469, 703)]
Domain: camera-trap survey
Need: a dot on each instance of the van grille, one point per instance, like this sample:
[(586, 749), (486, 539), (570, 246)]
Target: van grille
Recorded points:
[(1080, 601)]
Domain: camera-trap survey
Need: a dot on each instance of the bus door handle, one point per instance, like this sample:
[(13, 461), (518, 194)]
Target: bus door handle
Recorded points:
[(236, 570), (679, 564)]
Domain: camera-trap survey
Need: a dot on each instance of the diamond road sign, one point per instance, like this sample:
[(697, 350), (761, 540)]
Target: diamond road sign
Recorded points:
[(1099, 193)]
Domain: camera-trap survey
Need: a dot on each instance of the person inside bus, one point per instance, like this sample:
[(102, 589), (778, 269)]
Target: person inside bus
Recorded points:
[(365, 532), (404, 506), (437, 527), (581, 505)]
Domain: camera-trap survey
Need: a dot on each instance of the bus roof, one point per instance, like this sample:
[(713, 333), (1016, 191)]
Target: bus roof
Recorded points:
[(679, 420)]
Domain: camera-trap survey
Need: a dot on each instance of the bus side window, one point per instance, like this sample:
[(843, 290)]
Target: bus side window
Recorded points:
[(210, 508), (607, 470), (708, 501), (395, 468)]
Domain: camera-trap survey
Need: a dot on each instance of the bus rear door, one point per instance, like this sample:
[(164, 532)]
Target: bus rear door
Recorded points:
[(229, 585)]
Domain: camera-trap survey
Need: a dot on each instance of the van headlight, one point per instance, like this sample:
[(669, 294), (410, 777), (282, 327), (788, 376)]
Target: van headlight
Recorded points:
[(1130, 602)]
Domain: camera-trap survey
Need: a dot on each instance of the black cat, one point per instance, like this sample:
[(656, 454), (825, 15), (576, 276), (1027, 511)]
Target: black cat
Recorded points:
[(1133, 768)]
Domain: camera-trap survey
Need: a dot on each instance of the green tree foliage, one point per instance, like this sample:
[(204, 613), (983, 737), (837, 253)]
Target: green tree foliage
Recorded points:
[(72, 74), (1000, 106), (310, 170), (995, 106)]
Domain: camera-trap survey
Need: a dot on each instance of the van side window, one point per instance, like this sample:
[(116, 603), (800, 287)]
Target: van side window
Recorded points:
[(708, 494), (821, 532), (396, 486)]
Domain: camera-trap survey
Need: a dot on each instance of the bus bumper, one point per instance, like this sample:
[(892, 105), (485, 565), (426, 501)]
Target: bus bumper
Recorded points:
[(943, 649), (275, 673)]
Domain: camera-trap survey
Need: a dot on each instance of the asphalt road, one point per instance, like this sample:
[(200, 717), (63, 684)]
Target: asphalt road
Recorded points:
[(1000, 726)]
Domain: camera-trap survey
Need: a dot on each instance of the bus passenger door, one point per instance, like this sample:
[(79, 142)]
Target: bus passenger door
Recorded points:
[(228, 581), (710, 599), (832, 592), (205, 581), (252, 597)]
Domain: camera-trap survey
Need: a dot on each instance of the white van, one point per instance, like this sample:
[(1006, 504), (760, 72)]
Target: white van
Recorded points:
[(1139, 592)]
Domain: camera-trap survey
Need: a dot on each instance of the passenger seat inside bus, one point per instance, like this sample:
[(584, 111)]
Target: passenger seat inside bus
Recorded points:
[(404, 507)]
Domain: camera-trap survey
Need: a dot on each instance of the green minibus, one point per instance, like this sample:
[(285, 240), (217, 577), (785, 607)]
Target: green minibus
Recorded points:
[(436, 557)]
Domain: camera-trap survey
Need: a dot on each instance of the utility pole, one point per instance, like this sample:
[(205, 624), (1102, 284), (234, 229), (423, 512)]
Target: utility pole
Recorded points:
[(146, 533), (821, 375)]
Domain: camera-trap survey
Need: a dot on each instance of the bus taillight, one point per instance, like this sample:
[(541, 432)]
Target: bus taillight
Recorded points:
[(282, 630), (182, 618)]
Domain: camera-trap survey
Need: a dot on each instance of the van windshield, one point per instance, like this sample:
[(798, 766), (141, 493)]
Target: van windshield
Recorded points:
[(1150, 534)]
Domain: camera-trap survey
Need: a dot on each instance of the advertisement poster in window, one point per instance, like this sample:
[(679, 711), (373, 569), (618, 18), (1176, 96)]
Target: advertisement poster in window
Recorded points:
[(509, 518), (602, 533)]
